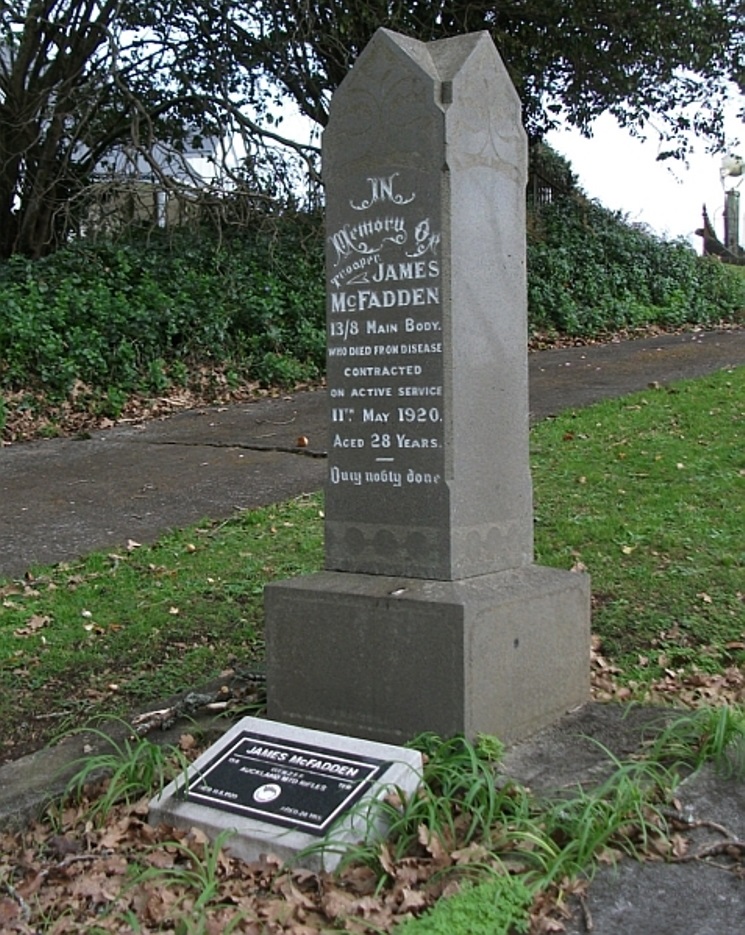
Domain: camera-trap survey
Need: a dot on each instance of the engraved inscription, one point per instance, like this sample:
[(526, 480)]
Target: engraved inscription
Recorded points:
[(382, 190), (385, 340), (285, 783)]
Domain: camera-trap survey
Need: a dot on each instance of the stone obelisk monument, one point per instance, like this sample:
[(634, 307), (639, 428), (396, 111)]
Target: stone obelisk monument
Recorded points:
[(430, 615)]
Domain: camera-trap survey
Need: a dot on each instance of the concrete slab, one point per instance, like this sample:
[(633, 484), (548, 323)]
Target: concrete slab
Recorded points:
[(641, 897), (30, 783), (662, 899)]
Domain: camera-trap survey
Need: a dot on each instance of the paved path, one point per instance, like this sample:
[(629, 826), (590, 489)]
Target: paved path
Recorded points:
[(61, 498)]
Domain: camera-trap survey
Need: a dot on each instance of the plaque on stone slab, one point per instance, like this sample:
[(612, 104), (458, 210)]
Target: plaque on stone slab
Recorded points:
[(281, 789)]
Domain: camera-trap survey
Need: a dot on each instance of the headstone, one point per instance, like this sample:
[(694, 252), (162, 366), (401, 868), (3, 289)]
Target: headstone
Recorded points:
[(430, 614), (278, 789)]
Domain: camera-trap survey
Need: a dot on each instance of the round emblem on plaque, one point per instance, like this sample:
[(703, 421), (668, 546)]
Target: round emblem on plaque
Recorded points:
[(268, 792)]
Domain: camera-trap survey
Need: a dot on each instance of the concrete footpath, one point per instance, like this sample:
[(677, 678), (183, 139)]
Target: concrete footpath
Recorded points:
[(62, 498)]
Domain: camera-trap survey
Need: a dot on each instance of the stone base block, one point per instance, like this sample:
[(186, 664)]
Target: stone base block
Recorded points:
[(387, 658)]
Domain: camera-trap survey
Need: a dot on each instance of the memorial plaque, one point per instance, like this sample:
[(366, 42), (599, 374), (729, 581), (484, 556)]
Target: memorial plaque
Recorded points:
[(273, 788), (295, 785)]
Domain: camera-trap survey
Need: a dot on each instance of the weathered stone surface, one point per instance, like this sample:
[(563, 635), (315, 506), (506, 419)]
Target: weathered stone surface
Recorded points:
[(424, 160), (388, 658), (431, 615)]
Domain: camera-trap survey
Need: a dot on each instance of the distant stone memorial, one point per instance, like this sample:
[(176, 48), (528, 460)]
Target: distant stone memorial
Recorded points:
[(430, 614)]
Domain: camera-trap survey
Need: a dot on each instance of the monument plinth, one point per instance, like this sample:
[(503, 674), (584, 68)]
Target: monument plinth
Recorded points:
[(430, 614)]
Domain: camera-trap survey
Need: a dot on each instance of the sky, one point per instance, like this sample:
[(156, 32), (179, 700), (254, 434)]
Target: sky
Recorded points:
[(623, 174)]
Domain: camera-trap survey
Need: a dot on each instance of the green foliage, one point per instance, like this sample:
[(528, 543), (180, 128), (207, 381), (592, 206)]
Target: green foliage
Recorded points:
[(571, 61), (143, 314), (590, 272), (567, 834), (542, 842), (131, 316), (463, 801), (131, 768), (455, 771), (145, 623), (459, 802), (706, 735), (498, 907), (489, 747), (200, 871), (81, 94)]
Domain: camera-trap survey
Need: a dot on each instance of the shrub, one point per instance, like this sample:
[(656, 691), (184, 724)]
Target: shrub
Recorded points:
[(139, 315), (124, 315), (591, 272)]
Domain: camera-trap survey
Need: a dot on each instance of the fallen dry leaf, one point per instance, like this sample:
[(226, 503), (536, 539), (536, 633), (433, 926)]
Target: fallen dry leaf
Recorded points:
[(433, 844), (35, 623)]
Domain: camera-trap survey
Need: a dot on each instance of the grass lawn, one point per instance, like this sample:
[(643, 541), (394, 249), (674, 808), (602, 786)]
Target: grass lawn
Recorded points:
[(646, 492)]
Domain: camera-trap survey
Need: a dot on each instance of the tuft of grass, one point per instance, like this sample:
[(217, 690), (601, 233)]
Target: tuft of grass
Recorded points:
[(622, 815), (517, 845), (127, 769), (464, 801), (459, 802), (197, 870), (455, 771), (715, 735)]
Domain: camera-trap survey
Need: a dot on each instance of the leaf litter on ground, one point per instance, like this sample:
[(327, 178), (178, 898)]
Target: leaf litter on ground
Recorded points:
[(77, 870)]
